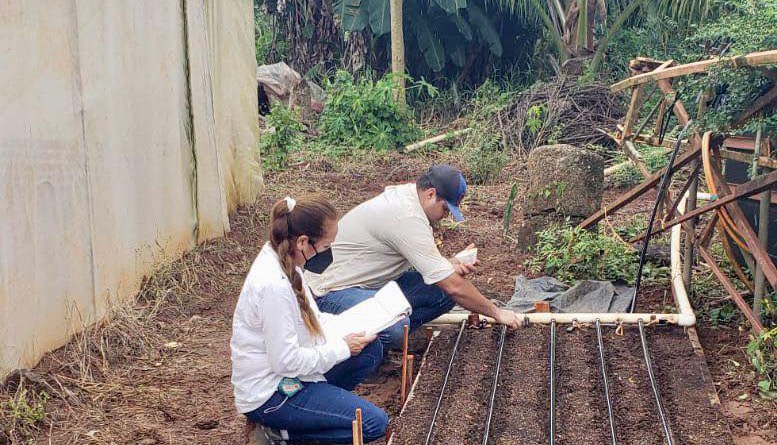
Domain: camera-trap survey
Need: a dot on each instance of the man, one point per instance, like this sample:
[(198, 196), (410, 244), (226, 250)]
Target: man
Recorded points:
[(390, 237)]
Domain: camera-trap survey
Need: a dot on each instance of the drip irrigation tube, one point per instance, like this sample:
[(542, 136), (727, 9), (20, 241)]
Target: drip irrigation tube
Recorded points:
[(656, 393), (662, 188), (496, 383), (445, 383), (606, 382), (552, 382)]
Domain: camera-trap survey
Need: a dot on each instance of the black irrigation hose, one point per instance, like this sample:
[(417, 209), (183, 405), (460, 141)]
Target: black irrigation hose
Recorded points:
[(445, 383), (606, 382), (656, 393), (661, 192), (496, 383), (552, 382)]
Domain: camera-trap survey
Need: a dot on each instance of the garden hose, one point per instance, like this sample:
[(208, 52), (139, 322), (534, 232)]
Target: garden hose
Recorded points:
[(726, 221)]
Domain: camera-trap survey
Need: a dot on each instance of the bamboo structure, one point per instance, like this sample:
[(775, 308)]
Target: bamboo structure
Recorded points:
[(703, 154)]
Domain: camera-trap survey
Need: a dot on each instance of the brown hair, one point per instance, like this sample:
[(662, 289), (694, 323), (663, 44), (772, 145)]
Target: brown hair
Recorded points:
[(307, 217)]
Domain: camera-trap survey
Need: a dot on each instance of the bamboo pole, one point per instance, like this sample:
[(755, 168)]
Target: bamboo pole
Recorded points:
[(398, 49), (355, 432), (763, 232), (403, 381), (410, 359), (752, 59), (359, 424)]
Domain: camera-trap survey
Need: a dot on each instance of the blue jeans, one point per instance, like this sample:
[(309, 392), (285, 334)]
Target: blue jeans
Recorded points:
[(428, 302), (323, 411)]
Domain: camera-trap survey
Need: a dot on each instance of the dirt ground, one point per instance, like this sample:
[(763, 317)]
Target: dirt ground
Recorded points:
[(166, 378)]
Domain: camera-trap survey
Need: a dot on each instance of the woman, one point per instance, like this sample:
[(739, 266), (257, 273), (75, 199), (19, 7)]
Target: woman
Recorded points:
[(286, 375)]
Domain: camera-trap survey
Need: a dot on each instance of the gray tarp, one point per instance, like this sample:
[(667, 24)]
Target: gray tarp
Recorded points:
[(586, 296)]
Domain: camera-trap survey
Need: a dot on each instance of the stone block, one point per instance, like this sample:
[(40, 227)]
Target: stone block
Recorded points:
[(564, 179)]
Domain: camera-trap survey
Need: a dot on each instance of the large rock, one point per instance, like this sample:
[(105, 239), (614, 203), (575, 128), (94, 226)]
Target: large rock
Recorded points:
[(564, 179)]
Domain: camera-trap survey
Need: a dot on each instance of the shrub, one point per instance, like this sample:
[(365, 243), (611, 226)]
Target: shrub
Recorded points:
[(485, 161), (762, 351), (285, 136), (364, 115), (572, 253)]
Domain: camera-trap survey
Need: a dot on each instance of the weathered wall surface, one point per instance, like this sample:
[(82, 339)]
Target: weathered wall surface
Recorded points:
[(127, 133)]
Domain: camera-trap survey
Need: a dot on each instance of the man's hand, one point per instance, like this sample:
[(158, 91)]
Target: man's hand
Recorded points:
[(357, 342), (507, 318), (462, 268)]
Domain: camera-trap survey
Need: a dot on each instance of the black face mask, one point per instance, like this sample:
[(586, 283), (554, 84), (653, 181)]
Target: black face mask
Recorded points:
[(318, 262)]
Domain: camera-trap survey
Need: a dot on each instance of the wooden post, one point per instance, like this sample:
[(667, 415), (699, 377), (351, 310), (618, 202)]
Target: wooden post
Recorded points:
[(403, 379), (398, 49), (633, 114), (359, 424), (355, 432), (410, 359), (763, 230), (690, 206)]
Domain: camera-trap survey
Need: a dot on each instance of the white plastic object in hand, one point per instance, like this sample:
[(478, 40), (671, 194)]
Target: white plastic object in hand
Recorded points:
[(467, 256)]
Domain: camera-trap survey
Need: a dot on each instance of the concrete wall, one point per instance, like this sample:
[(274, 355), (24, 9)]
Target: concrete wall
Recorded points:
[(127, 133)]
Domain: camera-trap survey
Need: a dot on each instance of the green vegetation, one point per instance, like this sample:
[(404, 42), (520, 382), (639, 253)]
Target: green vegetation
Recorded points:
[(485, 161), (269, 47), (284, 137), (364, 115), (762, 351), (572, 253), (22, 414), (654, 159)]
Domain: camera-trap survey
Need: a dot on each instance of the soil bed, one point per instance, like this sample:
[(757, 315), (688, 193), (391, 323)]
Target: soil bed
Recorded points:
[(522, 400), (521, 411), (582, 409)]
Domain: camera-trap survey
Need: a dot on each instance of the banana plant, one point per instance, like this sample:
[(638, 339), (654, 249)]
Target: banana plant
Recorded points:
[(442, 31), (570, 24)]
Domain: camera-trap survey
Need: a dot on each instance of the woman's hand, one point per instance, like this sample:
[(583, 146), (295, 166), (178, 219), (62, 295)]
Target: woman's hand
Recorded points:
[(358, 341)]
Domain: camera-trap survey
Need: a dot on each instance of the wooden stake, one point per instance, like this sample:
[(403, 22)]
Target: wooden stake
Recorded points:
[(410, 359), (403, 380), (355, 432), (359, 423)]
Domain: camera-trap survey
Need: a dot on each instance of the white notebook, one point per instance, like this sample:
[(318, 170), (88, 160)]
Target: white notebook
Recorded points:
[(371, 316)]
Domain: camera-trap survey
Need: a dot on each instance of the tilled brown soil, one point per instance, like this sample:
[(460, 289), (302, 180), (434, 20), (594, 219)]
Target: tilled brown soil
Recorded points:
[(426, 390), (522, 404), (523, 408), (460, 417), (636, 421), (582, 409)]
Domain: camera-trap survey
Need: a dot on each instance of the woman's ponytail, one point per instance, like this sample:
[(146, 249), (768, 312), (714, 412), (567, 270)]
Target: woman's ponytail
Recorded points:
[(289, 219)]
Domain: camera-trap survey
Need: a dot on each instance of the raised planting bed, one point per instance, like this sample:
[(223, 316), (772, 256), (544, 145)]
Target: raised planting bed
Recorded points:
[(521, 411)]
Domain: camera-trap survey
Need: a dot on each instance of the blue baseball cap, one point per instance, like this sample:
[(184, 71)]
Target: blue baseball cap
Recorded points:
[(450, 186)]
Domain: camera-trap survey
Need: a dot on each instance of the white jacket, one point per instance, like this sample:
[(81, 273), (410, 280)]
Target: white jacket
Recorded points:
[(269, 338)]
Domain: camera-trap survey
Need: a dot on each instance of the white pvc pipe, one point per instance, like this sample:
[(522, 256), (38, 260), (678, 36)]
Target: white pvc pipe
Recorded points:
[(561, 317), (684, 316), (676, 266)]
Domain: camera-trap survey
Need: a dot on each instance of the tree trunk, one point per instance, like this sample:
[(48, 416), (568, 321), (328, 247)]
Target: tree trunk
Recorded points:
[(398, 50)]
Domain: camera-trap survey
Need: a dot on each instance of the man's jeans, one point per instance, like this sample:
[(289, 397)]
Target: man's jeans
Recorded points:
[(323, 411), (428, 302)]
